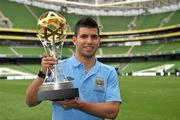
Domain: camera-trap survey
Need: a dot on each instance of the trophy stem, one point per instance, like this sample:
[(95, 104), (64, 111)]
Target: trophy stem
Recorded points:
[(55, 74), (54, 55)]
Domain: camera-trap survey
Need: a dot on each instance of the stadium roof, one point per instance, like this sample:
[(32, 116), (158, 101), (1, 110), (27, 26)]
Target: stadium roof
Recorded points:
[(107, 7), (117, 4)]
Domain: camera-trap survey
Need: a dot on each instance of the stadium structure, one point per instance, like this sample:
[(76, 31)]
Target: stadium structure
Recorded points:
[(138, 37)]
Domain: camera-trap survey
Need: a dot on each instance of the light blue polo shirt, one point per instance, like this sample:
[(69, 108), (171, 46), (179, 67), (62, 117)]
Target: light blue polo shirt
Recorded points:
[(100, 84)]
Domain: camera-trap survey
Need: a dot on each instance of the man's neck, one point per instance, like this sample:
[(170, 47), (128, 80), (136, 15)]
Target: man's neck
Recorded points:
[(87, 61)]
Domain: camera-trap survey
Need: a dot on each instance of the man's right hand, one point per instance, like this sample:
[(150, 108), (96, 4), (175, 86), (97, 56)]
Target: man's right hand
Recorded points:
[(47, 62)]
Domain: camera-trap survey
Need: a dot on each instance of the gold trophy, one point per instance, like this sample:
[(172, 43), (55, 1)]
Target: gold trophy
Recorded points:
[(52, 30)]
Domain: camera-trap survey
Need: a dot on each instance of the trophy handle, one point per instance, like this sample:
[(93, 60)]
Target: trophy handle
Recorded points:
[(43, 43), (53, 53)]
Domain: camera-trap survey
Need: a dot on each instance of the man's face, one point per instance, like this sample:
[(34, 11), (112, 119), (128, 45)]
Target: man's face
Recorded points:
[(87, 42)]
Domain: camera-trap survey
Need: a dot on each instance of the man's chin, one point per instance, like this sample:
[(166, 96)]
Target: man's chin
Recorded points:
[(89, 55)]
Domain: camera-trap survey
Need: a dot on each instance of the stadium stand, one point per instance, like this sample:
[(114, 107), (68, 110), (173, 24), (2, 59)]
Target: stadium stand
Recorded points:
[(109, 23), (126, 38)]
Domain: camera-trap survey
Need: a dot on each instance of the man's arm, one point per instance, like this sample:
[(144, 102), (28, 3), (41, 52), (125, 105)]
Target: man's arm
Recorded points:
[(32, 92), (103, 110)]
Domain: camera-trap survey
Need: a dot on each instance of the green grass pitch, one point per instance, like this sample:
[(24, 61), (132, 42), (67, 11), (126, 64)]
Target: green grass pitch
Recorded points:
[(144, 98)]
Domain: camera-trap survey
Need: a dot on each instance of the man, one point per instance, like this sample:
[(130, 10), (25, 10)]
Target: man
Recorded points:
[(99, 95)]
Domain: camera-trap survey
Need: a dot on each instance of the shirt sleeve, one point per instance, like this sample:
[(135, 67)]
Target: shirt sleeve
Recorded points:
[(113, 91)]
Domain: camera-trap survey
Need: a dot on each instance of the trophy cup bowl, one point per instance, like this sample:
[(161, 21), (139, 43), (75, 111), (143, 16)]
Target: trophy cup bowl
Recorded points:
[(52, 29)]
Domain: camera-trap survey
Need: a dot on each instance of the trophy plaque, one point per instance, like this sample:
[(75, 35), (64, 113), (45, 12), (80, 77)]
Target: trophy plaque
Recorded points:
[(52, 30)]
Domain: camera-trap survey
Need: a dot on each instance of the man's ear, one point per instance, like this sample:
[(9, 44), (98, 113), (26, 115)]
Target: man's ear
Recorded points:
[(74, 40)]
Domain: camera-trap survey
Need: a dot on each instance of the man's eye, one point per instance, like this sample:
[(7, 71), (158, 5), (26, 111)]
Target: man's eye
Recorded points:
[(94, 37), (83, 36)]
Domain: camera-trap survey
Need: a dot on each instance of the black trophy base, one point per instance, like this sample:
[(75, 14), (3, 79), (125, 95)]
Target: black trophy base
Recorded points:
[(56, 95)]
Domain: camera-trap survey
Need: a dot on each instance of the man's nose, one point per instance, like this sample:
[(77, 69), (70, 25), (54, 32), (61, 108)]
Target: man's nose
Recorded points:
[(89, 39)]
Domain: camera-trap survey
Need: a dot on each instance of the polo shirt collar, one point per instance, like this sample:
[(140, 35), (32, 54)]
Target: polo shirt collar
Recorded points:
[(95, 68), (75, 62)]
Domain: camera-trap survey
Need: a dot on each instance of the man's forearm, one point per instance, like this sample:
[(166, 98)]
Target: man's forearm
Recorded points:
[(31, 93), (104, 110)]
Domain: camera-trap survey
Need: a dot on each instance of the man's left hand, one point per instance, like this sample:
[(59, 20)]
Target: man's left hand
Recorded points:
[(67, 104)]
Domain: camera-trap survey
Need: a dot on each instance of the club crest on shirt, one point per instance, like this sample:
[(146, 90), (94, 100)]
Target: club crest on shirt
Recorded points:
[(99, 82)]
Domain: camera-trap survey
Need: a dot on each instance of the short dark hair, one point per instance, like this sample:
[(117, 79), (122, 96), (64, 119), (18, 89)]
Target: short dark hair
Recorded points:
[(87, 22)]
